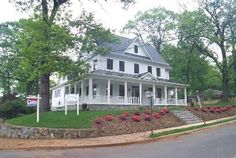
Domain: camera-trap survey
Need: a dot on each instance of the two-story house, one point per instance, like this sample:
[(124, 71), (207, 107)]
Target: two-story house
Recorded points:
[(122, 77)]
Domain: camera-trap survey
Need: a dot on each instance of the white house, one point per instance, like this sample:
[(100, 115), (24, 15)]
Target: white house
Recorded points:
[(122, 77)]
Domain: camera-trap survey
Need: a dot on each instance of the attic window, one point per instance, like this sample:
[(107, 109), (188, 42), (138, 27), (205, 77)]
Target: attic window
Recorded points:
[(135, 49)]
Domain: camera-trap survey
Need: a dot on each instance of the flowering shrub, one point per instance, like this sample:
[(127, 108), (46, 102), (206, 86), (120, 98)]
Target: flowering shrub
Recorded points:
[(162, 113), (212, 110), (123, 117), (98, 121), (126, 113), (147, 117), (136, 118), (108, 118), (166, 110), (204, 110), (157, 115)]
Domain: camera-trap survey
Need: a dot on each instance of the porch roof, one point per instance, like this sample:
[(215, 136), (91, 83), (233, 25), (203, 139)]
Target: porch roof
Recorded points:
[(135, 76)]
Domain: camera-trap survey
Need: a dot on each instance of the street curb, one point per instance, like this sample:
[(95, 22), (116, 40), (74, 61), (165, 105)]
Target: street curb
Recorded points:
[(147, 140)]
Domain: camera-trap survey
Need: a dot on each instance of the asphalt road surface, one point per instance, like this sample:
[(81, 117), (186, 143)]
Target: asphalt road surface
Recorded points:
[(219, 142)]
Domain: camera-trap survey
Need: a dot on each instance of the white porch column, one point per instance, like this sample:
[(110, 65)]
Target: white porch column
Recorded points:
[(108, 91), (176, 95), (82, 88), (126, 93), (154, 93), (185, 96), (165, 89), (90, 90), (140, 93)]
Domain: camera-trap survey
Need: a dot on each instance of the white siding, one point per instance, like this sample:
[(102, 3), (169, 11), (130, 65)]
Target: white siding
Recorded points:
[(141, 50), (129, 65)]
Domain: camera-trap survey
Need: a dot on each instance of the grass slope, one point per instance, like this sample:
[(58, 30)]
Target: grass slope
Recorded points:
[(59, 120)]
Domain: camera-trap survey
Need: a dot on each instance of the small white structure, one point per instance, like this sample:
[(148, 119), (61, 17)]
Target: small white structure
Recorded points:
[(122, 77)]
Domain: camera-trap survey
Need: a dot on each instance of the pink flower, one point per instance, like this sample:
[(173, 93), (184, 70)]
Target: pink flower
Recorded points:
[(108, 118), (136, 118)]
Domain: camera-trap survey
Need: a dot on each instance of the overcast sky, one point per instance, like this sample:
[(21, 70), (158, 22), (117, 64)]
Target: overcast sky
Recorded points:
[(110, 14)]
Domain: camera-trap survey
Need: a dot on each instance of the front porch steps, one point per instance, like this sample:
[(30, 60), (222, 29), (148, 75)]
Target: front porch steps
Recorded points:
[(187, 116)]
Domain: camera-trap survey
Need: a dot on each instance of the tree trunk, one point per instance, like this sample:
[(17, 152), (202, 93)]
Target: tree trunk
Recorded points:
[(225, 80), (44, 93)]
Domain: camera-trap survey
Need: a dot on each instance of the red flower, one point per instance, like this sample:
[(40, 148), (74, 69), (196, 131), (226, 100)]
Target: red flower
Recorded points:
[(108, 118), (98, 121), (157, 115), (126, 113), (204, 110), (147, 117), (162, 113), (136, 118)]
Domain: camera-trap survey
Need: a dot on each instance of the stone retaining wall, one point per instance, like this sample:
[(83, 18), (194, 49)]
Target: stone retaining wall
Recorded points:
[(12, 131)]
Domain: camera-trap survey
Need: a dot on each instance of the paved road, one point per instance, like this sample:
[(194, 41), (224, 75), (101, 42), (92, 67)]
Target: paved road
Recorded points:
[(217, 142)]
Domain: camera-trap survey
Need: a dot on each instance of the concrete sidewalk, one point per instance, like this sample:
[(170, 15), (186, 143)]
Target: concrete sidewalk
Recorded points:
[(30, 144)]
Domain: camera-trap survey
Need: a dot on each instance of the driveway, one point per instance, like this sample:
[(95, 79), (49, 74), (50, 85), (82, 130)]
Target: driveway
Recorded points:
[(218, 142)]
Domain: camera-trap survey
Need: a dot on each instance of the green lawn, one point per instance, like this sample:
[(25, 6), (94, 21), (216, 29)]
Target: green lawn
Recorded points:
[(59, 120)]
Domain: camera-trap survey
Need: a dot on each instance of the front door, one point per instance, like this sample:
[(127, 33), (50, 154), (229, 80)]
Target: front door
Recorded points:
[(135, 91)]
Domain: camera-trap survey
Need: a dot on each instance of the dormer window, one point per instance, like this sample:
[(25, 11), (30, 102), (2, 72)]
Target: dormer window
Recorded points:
[(135, 48)]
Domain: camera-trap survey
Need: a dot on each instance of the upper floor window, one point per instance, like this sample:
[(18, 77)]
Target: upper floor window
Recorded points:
[(109, 64), (149, 69), (135, 48), (158, 72), (136, 68), (122, 66)]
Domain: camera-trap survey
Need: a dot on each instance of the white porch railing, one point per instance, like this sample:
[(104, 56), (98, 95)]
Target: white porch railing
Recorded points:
[(159, 101), (181, 102), (133, 100), (117, 99), (130, 100)]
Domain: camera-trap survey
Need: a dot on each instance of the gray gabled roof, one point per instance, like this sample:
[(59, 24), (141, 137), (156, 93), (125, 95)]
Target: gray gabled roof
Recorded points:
[(123, 43)]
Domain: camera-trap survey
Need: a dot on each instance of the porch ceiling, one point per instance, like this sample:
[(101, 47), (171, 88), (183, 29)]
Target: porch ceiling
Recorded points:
[(102, 74)]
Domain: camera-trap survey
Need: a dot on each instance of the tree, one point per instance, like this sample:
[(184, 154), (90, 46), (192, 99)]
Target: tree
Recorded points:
[(208, 29), (188, 66), (155, 25), (48, 36)]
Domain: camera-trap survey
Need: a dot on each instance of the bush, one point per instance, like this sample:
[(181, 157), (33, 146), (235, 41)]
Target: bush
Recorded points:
[(98, 121), (136, 118), (108, 118), (85, 107), (147, 117), (157, 115), (12, 108), (126, 113)]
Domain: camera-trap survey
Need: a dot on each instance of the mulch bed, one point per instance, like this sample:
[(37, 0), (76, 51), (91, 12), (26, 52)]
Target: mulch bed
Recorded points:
[(117, 125), (212, 113)]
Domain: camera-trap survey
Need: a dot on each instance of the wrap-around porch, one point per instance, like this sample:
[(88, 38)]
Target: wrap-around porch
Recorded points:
[(127, 92)]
